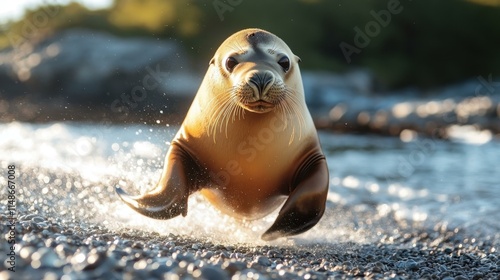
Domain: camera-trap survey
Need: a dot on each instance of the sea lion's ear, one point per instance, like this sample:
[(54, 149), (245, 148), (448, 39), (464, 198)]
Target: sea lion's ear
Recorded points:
[(298, 59), (212, 61)]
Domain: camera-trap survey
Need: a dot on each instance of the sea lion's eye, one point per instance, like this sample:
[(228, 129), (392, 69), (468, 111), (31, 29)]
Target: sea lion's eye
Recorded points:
[(231, 62), (284, 62)]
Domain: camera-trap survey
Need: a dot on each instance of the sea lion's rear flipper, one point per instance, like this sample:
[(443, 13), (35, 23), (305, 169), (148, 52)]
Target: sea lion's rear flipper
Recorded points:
[(169, 198), (305, 205)]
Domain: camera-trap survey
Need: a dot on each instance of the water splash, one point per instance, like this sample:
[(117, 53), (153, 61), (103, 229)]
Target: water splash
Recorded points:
[(68, 171)]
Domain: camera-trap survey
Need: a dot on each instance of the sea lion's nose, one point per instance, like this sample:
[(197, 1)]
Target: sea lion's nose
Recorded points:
[(261, 81)]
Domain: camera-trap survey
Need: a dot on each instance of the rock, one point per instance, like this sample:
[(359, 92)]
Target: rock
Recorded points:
[(264, 261), (411, 265), (213, 273), (207, 254), (89, 67), (234, 266), (323, 88), (435, 113), (45, 258)]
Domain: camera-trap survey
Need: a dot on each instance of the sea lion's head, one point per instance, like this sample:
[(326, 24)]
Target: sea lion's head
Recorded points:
[(260, 71)]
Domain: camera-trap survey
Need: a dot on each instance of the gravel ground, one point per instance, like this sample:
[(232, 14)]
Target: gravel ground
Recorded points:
[(62, 249), (59, 237)]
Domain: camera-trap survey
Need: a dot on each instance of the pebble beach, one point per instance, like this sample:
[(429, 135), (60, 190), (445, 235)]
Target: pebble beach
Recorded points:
[(57, 249), (69, 223)]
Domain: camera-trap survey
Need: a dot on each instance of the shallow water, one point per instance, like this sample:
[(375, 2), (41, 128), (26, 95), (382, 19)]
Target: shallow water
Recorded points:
[(379, 185)]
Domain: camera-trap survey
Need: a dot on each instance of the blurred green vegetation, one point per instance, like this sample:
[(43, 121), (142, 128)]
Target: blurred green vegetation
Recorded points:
[(428, 44)]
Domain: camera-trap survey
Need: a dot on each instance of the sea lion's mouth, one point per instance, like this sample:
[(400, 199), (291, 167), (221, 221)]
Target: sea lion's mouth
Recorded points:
[(259, 106)]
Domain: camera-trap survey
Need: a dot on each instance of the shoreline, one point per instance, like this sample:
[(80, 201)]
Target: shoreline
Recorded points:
[(35, 113)]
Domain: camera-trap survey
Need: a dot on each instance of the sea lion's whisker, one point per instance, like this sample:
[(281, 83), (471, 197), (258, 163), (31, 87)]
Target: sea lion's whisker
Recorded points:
[(229, 115), (223, 114), (295, 103), (289, 115), (220, 107)]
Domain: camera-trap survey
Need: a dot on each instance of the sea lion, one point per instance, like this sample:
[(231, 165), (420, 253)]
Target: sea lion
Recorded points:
[(248, 142)]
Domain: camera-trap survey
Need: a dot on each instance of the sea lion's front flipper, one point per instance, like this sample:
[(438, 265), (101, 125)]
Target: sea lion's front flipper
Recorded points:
[(169, 198), (306, 204)]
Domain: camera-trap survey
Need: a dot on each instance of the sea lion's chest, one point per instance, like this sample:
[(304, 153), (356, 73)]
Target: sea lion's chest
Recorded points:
[(247, 158), (247, 179), (249, 171)]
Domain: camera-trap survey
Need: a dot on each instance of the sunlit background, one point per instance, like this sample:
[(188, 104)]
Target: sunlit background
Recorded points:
[(414, 49), (14, 10), (406, 97)]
